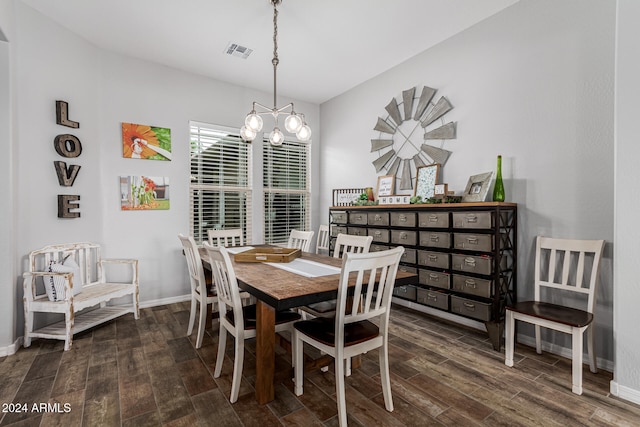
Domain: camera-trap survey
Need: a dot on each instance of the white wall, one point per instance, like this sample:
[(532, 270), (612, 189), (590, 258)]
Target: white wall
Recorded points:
[(533, 83), (626, 381), (103, 90), (7, 315)]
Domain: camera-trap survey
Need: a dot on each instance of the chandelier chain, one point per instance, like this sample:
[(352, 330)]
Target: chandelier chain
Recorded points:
[(275, 59)]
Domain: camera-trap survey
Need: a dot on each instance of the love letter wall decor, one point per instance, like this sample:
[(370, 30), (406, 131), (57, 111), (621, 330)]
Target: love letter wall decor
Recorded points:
[(68, 146)]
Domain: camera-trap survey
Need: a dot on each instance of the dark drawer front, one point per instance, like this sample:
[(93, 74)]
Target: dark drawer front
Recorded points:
[(377, 248), (406, 269), (403, 219), (473, 242), (472, 285), (335, 230), (433, 259), (434, 278), (471, 308), (410, 256), (404, 238), (435, 239), (433, 219), (359, 218), (381, 236), (437, 299), (339, 217), (357, 231), (405, 292), (472, 264), (473, 220), (378, 218)]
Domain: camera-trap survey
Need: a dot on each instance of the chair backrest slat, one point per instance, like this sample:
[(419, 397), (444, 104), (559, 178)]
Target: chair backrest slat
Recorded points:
[(373, 283), (300, 240), (323, 238), (226, 283), (194, 262), (569, 259), (347, 243), (226, 237)]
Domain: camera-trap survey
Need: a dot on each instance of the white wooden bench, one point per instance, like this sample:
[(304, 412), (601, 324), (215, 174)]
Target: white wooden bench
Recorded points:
[(96, 291)]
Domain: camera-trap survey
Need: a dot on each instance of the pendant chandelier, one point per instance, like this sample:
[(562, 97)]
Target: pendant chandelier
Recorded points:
[(294, 122)]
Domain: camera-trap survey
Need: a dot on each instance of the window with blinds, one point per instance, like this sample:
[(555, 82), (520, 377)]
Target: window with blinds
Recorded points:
[(286, 174), (221, 180)]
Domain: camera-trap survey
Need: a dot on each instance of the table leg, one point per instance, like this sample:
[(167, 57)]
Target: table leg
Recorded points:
[(265, 352)]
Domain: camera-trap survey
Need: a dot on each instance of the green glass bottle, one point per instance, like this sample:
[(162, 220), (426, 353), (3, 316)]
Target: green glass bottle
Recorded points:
[(498, 189)]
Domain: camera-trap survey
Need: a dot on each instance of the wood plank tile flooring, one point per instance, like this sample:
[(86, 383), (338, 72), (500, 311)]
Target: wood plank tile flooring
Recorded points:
[(148, 373)]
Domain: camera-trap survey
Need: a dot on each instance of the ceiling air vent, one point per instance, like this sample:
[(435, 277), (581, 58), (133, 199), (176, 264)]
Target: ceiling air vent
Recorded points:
[(238, 51)]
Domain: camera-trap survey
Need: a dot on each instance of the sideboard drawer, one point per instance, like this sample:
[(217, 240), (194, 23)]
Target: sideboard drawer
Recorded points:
[(377, 248), (433, 259), (339, 217), (437, 299), (482, 220), (406, 269), (378, 235), (473, 242), (403, 219), (410, 256), (434, 278), (335, 230), (435, 239), (471, 308), (472, 285), (406, 292), (433, 219), (475, 264), (404, 238), (358, 218), (378, 218), (357, 231)]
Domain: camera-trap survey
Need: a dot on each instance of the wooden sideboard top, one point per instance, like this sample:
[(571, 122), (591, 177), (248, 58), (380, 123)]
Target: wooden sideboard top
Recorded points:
[(431, 205)]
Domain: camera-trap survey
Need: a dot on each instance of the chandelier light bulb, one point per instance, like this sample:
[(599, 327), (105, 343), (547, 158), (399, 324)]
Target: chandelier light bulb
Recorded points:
[(293, 123), (276, 137), (304, 134), (253, 121), (247, 134)]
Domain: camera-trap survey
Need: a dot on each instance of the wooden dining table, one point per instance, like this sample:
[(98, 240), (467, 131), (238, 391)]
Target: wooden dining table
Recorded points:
[(278, 289)]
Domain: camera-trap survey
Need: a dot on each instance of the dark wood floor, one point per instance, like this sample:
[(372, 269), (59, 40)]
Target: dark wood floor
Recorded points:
[(148, 373)]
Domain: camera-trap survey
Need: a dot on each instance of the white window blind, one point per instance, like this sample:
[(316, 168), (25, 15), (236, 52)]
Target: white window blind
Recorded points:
[(221, 180), (286, 172)]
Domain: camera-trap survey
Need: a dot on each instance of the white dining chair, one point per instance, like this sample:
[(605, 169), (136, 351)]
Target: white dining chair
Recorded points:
[(562, 267), (226, 237), (300, 240), (201, 294), (357, 327), (235, 319), (322, 242), (345, 243)]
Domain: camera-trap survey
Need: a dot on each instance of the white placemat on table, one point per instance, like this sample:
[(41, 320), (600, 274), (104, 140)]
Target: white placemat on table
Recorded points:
[(306, 268)]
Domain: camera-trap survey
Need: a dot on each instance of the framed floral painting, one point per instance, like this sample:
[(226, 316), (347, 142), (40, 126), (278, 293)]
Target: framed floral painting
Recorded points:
[(146, 142), (426, 180), (144, 193)]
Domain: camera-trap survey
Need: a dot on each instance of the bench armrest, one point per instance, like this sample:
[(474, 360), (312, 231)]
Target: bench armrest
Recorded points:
[(29, 284), (113, 261)]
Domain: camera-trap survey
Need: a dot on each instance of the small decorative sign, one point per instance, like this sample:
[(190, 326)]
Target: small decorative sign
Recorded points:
[(394, 200), (344, 196)]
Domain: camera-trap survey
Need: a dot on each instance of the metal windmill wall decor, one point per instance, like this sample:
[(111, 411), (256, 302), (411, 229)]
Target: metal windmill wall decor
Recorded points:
[(397, 145)]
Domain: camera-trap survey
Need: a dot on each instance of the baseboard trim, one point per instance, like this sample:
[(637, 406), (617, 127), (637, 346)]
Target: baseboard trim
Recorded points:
[(625, 393), (12, 348)]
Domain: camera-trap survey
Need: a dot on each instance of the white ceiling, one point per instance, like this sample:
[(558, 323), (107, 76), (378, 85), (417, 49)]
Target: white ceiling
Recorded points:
[(326, 47)]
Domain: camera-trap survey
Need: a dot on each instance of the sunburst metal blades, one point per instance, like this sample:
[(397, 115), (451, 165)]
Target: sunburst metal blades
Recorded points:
[(379, 144), (394, 111), (440, 109), (382, 160), (407, 101), (405, 180), (383, 126), (438, 155), (393, 169), (447, 131), (423, 103)]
